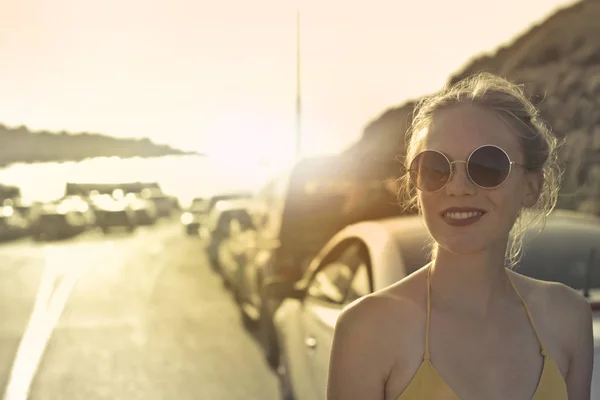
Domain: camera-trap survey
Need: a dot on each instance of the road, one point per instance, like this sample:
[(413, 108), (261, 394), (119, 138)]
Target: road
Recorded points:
[(122, 316)]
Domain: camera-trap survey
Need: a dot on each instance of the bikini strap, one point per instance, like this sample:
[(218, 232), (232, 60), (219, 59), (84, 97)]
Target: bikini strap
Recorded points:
[(542, 348), (426, 355)]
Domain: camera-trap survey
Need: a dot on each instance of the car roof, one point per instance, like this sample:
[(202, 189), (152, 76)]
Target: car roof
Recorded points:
[(380, 238)]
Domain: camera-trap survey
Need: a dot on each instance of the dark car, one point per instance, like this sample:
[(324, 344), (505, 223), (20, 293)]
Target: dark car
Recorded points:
[(304, 208), (13, 224), (217, 227), (194, 217), (59, 221), (143, 210), (164, 204), (111, 213)]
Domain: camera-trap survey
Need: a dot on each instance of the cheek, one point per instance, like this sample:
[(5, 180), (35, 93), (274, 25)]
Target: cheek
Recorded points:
[(426, 202), (508, 201), (429, 206)]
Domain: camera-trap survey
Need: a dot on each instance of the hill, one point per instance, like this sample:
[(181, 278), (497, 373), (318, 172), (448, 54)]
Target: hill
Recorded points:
[(558, 62), (22, 145)]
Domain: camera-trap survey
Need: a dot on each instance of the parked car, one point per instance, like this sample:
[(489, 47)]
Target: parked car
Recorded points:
[(165, 205), (197, 214), (59, 220), (217, 226), (194, 215), (79, 205), (13, 224), (241, 234), (112, 213), (144, 210), (303, 208), (372, 255)]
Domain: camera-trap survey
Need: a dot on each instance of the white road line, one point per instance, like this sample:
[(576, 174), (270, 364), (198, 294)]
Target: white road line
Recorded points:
[(55, 288)]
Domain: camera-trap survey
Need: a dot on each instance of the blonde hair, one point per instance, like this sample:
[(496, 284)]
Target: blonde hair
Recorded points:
[(538, 143)]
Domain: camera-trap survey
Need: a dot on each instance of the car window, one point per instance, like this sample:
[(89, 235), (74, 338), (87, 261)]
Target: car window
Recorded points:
[(332, 281), (245, 220), (360, 285), (565, 264)]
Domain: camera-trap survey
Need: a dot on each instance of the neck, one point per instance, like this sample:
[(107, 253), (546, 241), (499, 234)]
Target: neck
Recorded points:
[(472, 284)]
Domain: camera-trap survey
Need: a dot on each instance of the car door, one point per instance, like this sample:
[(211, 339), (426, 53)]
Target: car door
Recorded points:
[(331, 288)]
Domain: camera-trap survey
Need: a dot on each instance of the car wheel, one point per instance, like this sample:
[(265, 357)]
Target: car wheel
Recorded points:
[(236, 297), (248, 322), (226, 283), (268, 337), (217, 266)]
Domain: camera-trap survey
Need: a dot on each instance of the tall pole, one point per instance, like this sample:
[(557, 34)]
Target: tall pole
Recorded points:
[(298, 96)]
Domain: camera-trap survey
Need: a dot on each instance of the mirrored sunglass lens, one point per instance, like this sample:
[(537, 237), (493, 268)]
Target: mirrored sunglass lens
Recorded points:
[(430, 171), (488, 166)]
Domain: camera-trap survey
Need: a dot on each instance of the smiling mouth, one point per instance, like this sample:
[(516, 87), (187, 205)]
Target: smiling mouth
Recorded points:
[(462, 215)]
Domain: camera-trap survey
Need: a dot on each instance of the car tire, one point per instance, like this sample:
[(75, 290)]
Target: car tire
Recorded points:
[(249, 323), (226, 283), (268, 338), (216, 266)]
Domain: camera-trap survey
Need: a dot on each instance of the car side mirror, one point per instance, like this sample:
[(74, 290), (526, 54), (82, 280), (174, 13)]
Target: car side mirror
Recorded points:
[(278, 288)]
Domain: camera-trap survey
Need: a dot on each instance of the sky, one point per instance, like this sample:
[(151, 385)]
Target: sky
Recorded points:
[(220, 76)]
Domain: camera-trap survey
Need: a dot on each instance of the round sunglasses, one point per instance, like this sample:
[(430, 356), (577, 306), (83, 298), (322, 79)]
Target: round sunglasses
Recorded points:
[(487, 167)]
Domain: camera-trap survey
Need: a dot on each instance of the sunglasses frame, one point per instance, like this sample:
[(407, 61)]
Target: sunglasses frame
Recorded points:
[(451, 164)]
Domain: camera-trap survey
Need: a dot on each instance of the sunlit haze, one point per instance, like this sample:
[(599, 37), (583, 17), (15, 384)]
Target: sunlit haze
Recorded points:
[(219, 77)]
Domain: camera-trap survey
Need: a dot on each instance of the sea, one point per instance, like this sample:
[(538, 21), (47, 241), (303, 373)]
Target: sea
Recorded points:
[(185, 177)]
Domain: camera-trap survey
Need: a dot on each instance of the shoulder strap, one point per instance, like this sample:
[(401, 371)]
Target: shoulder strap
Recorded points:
[(542, 348), (427, 355)]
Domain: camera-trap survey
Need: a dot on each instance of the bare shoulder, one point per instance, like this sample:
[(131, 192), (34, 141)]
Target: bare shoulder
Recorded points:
[(398, 304), (561, 309), (384, 314), (561, 299), (374, 335)]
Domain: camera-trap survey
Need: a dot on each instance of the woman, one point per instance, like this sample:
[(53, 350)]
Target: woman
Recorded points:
[(481, 166)]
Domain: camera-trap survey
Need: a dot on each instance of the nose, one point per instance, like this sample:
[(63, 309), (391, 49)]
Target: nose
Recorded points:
[(460, 184)]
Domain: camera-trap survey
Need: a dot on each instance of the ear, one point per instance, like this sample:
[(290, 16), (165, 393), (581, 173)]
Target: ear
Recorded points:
[(534, 181)]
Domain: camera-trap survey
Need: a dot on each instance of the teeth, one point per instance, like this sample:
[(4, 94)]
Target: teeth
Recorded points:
[(462, 215)]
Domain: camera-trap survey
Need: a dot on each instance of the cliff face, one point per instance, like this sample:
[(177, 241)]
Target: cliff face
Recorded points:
[(558, 61), (22, 145)]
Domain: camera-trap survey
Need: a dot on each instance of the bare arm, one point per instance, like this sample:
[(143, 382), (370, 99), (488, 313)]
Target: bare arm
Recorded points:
[(581, 362), (359, 364)]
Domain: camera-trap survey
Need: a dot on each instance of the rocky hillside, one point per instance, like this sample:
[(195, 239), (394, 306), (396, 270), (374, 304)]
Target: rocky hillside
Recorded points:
[(22, 145), (558, 61)]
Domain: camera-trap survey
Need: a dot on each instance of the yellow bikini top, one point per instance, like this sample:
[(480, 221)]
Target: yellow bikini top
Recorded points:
[(427, 383)]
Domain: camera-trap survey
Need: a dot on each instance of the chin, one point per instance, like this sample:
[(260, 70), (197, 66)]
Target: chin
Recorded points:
[(462, 248), (468, 240)]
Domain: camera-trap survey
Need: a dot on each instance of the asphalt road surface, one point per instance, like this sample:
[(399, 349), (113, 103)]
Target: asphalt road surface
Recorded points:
[(122, 316)]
